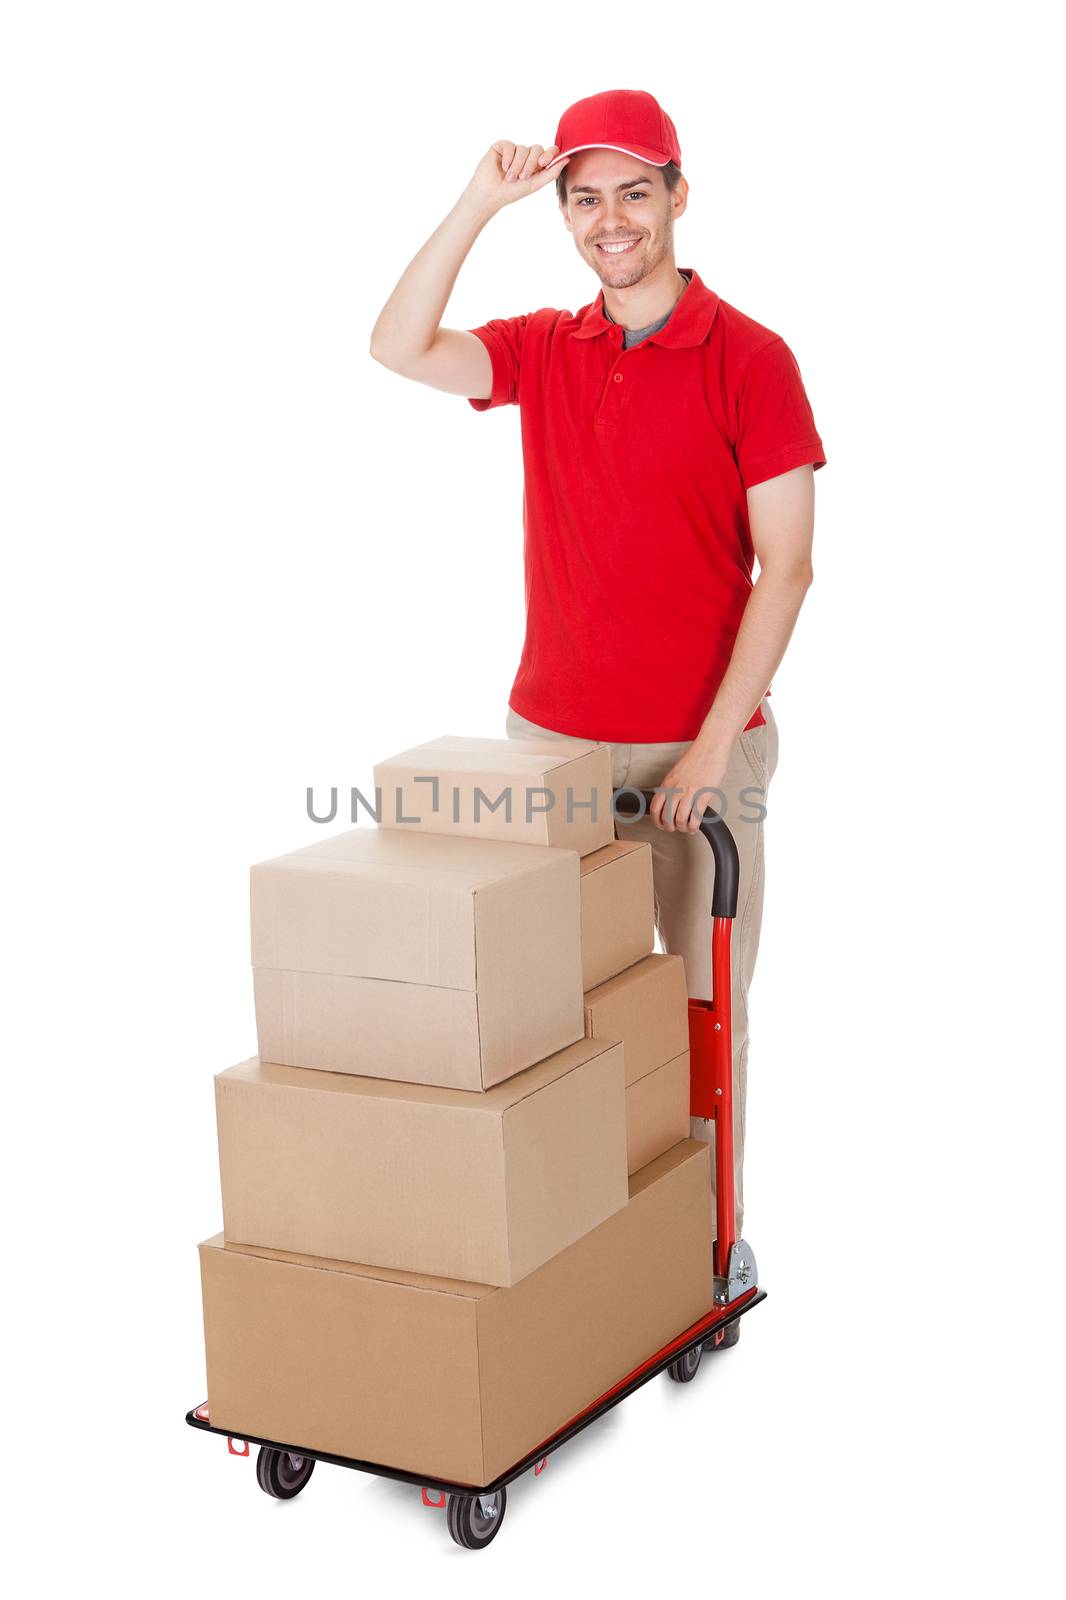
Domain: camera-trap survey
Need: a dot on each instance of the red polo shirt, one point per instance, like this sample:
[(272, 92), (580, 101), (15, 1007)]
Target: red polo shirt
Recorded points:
[(638, 554)]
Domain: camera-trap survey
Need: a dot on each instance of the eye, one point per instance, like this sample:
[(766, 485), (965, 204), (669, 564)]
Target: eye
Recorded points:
[(637, 194)]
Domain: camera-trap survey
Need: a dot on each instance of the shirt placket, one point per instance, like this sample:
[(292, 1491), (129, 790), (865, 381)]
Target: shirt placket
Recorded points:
[(615, 397)]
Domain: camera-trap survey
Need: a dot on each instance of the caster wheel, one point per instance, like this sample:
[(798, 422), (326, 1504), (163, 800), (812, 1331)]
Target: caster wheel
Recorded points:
[(282, 1474), (726, 1338), (474, 1519), (685, 1368)]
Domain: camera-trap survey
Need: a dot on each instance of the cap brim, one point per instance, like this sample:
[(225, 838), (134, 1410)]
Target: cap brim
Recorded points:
[(654, 158)]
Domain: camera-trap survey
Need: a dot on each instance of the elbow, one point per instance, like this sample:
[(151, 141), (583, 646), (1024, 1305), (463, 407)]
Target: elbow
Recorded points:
[(402, 362), (792, 577), (383, 344), (798, 573)]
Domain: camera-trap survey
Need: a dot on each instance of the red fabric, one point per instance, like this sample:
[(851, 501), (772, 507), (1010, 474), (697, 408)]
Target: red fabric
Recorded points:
[(638, 554), (619, 119)]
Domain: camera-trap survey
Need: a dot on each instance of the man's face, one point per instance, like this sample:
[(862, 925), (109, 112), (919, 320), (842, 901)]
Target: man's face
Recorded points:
[(612, 198)]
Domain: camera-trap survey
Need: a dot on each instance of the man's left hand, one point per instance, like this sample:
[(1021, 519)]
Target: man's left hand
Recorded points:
[(696, 778)]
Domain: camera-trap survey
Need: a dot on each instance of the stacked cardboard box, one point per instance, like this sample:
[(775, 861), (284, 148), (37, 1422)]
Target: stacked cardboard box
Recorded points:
[(459, 1202), (646, 1007)]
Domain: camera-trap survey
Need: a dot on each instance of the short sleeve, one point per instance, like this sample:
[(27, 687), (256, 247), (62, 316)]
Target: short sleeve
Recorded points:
[(775, 425), (502, 338)]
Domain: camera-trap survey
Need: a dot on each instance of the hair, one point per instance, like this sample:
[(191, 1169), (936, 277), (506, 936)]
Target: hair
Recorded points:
[(671, 172)]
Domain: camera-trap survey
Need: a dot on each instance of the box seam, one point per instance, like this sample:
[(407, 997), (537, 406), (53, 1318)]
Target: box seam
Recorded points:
[(659, 1066), (304, 1266)]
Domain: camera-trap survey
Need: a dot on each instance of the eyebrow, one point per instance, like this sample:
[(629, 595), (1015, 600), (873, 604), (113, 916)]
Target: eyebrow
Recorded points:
[(585, 188)]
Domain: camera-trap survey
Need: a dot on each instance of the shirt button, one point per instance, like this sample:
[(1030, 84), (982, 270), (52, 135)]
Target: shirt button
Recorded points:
[(618, 377)]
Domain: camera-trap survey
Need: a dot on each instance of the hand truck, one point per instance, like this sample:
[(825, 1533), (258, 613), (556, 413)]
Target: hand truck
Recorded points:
[(475, 1512)]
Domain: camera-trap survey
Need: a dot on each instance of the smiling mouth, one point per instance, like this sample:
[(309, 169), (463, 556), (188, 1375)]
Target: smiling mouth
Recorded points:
[(617, 247)]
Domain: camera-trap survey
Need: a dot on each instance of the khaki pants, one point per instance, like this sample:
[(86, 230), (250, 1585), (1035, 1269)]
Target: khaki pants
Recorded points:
[(683, 872)]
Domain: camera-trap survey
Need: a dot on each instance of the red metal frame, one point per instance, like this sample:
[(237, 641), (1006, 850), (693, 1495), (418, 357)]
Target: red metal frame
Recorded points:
[(710, 1037)]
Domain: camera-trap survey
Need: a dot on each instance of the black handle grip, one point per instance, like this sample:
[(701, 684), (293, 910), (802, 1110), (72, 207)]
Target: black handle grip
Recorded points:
[(714, 830)]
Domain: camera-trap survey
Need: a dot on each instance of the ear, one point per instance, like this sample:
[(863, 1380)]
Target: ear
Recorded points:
[(679, 198), (564, 210)]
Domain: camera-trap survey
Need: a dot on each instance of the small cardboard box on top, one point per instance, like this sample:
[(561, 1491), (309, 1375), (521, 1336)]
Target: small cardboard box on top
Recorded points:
[(460, 1184), (527, 791), (410, 956), (453, 1379), (646, 1007)]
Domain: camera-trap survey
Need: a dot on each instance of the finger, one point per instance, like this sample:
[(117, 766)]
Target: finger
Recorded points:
[(505, 150), (549, 155), (547, 175), (521, 152), (530, 164)]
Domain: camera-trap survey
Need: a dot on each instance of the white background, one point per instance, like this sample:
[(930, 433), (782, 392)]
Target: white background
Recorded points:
[(243, 558)]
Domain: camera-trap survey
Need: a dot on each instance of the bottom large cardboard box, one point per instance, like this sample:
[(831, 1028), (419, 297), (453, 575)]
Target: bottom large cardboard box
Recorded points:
[(454, 1380)]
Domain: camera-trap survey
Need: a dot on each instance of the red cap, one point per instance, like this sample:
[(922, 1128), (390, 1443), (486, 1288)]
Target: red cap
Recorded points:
[(619, 119)]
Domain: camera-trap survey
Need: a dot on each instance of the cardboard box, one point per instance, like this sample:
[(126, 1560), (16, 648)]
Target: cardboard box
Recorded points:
[(527, 791), (451, 1379), (646, 1006), (396, 955), (657, 1111), (465, 1185), (617, 910)]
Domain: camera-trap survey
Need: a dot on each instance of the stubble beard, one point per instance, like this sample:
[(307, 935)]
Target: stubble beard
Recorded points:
[(650, 258)]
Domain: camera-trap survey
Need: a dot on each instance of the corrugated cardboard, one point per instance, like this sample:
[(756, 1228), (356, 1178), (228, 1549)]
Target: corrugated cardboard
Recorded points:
[(529, 791), (646, 1006), (474, 1185), (657, 1109), (451, 1379), (617, 910), (408, 956)]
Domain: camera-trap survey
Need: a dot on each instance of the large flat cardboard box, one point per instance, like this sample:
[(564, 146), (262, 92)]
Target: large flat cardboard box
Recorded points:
[(617, 910), (657, 1111), (527, 791), (646, 1007), (452, 1379), (409, 956), (446, 1181)]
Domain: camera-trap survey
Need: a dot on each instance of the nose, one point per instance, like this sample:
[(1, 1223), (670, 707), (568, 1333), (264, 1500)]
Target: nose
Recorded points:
[(613, 217)]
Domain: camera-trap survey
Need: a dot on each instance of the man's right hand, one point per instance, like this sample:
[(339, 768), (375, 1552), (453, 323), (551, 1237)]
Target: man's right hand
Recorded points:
[(508, 172), (407, 336)]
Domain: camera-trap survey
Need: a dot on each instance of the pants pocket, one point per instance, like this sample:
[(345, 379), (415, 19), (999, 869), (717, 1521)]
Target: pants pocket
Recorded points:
[(754, 747)]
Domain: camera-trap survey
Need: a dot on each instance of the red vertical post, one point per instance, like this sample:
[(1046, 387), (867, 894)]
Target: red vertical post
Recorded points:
[(721, 1062)]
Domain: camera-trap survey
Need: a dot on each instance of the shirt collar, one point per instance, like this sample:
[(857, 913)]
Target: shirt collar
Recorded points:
[(689, 322)]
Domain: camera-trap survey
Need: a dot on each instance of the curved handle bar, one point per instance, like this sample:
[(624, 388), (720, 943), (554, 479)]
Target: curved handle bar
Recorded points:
[(714, 830)]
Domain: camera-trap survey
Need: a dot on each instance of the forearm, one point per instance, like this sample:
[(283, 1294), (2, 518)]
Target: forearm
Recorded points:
[(762, 638), (410, 318)]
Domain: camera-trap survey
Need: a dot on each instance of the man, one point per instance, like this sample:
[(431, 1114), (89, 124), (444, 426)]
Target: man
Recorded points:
[(667, 443)]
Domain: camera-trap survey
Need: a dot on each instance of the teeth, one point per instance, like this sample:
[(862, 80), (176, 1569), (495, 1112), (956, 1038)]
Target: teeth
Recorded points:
[(616, 249)]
